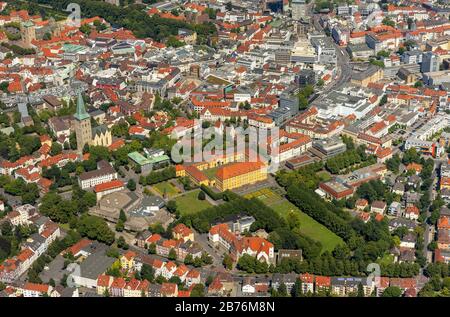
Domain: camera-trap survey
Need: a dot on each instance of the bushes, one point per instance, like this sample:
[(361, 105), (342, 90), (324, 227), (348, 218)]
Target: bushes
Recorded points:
[(211, 193), (251, 265), (95, 228), (201, 195), (158, 176)]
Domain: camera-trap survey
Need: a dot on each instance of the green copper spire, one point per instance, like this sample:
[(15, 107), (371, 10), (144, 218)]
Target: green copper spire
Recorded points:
[(81, 113)]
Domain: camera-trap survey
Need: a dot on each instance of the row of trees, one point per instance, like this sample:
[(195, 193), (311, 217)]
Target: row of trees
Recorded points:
[(18, 144), (158, 176), (335, 265), (11, 238), (310, 203), (29, 193), (65, 210), (134, 18), (342, 161), (306, 175)]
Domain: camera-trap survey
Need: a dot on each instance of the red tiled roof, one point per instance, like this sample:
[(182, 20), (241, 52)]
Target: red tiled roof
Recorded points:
[(78, 246), (42, 288), (182, 229), (108, 186), (237, 169), (168, 288)]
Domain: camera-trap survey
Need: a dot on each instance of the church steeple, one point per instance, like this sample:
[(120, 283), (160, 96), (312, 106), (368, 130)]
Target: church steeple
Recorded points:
[(83, 129), (81, 113)]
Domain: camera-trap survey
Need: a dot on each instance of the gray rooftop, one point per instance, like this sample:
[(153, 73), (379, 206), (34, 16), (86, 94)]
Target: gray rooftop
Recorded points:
[(95, 264)]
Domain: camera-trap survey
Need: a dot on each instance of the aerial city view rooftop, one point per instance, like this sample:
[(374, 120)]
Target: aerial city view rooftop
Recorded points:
[(225, 148)]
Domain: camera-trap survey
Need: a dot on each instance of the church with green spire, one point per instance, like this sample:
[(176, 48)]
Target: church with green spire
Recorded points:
[(83, 129), (85, 134), (81, 113)]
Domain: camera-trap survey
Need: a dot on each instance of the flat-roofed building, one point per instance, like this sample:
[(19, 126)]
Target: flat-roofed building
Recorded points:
[(336, 190), (327, 148), (103, 174)]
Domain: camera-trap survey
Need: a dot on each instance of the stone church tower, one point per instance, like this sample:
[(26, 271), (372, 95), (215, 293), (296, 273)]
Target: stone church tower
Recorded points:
[(82, 125), (29, 33)]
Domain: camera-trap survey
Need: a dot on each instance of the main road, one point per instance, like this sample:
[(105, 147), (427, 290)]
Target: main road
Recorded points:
[(343, 67)]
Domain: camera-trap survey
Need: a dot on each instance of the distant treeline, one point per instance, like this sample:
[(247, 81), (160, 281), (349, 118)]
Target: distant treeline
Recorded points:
[(132, 17)]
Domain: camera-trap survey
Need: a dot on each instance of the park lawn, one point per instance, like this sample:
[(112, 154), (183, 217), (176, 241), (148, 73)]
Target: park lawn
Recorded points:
[(310, 227), (167, 187), (324, 176), (189, 204)]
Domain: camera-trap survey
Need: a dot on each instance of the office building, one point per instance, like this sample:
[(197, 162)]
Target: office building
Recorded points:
[(298, 9), (430, 63)]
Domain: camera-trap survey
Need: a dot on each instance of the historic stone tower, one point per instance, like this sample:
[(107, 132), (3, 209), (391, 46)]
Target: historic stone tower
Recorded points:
[(29, 33), (82, 125)]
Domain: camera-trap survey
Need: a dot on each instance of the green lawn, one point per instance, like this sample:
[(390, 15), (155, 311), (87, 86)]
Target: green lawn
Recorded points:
[(310, 227), (166, 187), (324, 176), (188, 203)]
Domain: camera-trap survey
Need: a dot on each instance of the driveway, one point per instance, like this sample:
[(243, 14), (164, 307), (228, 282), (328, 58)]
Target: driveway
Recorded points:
[(202, 240)]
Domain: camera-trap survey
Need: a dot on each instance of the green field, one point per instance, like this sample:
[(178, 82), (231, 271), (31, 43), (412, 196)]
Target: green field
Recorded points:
[(188, 203), (324, 176), (266, 195), (166, 187), (308, 226)]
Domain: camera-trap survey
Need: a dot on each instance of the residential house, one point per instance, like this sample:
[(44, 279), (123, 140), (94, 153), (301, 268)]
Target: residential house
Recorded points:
[(408, 241), (307, 283), (378, 207), (361, 204), (181, 231), (412, 212), (169, 290)]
